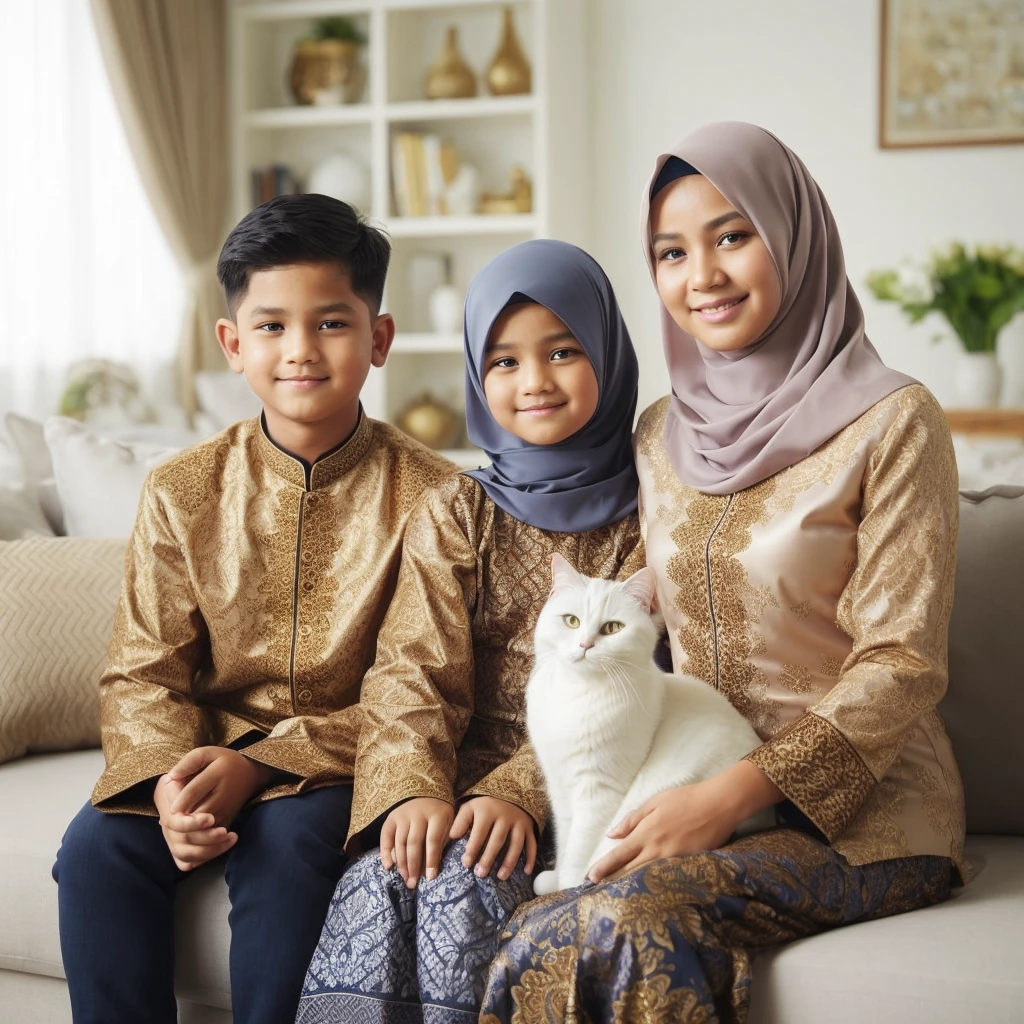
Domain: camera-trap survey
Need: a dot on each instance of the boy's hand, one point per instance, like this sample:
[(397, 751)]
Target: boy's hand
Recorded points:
[(216, 781), (494, 825), (197, 839), (414, 837)]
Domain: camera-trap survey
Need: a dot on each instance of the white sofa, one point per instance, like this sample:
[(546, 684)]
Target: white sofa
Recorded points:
[(945, 965)]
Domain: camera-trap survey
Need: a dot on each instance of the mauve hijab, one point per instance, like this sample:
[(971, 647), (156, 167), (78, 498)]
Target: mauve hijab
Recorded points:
[(737, 418), (588, 480)]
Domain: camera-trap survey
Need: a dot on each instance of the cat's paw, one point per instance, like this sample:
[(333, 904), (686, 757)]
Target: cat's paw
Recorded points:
[(546, 882)]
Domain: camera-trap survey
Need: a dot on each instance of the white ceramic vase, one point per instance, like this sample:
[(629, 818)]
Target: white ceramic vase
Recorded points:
[(979, 378), (446, 309)]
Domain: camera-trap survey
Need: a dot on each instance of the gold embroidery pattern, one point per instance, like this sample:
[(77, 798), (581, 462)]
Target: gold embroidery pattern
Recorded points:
[(488, 635), (210, 635), (887, 485), (622, 951), (817, 768)]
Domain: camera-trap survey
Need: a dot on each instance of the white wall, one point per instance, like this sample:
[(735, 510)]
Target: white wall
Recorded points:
[(807, 70)]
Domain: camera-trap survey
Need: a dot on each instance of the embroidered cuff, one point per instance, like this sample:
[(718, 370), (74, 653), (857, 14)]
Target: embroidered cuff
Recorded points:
[(817, 768)]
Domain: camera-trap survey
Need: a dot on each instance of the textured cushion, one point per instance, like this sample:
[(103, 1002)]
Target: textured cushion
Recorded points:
[(57, 607), (984, 707), (29, 444), (99, 480), (956, 962), (40, 795)]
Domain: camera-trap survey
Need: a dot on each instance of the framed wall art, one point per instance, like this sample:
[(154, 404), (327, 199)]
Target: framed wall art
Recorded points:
[(952, 73)]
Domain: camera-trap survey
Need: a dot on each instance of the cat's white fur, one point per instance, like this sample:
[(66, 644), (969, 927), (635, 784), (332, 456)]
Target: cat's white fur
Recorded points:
[(609, 728)]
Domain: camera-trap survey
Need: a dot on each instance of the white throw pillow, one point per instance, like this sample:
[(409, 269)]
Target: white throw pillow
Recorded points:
[(99, 481), (20, 513), (225, 397), (29, 444)]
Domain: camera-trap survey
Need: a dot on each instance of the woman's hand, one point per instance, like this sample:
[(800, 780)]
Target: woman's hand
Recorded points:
[(688, 819), (495, 825), (414, 837)]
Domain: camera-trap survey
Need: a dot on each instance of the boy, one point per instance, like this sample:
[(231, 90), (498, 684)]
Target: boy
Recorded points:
[(258, 574)]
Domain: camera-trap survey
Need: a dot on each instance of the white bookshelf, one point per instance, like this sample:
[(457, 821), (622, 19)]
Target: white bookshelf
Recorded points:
[(543, 131)]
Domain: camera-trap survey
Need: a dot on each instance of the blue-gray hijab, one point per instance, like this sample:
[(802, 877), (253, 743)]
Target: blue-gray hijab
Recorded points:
[(588, 480)]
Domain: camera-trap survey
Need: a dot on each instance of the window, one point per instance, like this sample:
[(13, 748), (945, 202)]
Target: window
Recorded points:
[(84, 267)]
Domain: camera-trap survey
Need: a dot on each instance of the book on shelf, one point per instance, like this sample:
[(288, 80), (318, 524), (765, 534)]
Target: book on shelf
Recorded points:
[(423, 165), (273, 180)]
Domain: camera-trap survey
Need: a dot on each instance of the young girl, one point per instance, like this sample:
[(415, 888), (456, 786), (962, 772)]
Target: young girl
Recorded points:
[(800, 511), (551, 385)]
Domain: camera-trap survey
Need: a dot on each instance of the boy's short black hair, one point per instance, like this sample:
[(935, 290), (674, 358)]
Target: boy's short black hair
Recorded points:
[(307, 228)]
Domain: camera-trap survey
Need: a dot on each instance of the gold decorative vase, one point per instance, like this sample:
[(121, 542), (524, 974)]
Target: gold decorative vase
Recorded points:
[(430, 422), (327, 71), (450, 77), (509, 73)]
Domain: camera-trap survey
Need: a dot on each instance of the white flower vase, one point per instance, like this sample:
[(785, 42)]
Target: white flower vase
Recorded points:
[(978, 380)]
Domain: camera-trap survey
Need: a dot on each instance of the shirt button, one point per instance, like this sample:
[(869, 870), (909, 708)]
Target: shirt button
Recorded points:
[(305, 629), (305, 696), (308, 586)]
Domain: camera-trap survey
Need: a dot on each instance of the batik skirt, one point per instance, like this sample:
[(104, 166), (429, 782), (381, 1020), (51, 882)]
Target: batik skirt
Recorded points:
[(671, 942), (393, 955)]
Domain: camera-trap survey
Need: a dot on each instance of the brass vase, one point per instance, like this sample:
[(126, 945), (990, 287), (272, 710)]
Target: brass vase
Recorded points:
[(450, 77), (327, 71), (509, 73), (430, 422)]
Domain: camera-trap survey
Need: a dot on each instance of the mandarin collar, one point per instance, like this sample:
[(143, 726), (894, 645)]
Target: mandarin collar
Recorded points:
[(329, 467)]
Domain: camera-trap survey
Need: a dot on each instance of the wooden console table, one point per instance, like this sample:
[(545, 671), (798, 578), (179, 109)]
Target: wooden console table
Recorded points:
[(987, 422)]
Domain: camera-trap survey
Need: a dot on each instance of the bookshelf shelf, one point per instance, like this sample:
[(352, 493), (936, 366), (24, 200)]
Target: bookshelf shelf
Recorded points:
[(466, 458), (309, 117), (451, 110), (410, 344), (542, 132)]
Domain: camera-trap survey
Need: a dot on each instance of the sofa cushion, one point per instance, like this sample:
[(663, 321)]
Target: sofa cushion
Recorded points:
[(943, 965), (57, 607), (99, 480), (44, 793), (984, 706), (28, 442)]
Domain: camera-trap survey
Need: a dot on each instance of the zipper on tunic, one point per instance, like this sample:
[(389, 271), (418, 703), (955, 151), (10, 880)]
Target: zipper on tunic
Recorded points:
[(711, 596), (295, 587)]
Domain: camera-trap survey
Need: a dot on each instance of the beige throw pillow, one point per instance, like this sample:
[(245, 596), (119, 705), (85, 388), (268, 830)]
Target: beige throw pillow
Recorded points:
[(57, 601)]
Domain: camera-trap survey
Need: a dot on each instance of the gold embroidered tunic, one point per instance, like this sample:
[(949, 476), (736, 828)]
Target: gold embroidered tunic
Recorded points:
[(444, 706), (254, 589), (818, 602)]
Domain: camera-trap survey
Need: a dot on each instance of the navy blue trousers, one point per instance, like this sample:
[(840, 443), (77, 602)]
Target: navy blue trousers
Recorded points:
[(117, 884)]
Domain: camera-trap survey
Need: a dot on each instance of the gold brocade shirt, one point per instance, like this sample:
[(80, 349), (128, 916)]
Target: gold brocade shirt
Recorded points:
[(254, 589), (445, 704), (818, 602)]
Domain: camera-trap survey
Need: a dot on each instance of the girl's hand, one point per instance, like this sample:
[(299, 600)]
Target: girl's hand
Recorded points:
[(688, 819), (414, 837), (494, 825)]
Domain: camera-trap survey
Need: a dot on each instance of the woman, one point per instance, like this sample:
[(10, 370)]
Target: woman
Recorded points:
[(800, 511)]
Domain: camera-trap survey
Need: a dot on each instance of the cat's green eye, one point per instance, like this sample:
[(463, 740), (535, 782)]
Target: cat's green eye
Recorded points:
[(611, 627), (571, 621)]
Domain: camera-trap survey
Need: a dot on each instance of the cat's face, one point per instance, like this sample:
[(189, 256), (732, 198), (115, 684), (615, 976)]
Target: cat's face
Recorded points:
[(596, 622)]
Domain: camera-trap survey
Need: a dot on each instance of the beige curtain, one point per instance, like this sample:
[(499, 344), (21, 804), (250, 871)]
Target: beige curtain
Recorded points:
[(167, 65)]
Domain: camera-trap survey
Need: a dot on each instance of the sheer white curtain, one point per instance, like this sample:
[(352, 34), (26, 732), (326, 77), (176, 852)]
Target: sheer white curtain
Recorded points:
[(84, 267)]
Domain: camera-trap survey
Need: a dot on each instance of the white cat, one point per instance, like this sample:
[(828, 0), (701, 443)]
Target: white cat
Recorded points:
[(609, 728)]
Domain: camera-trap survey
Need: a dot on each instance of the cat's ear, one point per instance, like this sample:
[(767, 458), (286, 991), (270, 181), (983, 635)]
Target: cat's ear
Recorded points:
[(641, 587), (563, 574)]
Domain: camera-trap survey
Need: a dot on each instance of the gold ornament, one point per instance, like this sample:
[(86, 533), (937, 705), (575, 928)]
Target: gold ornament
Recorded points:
[(519, 198), (450, 77), (327, 71), (509, 73), (431, 422)]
